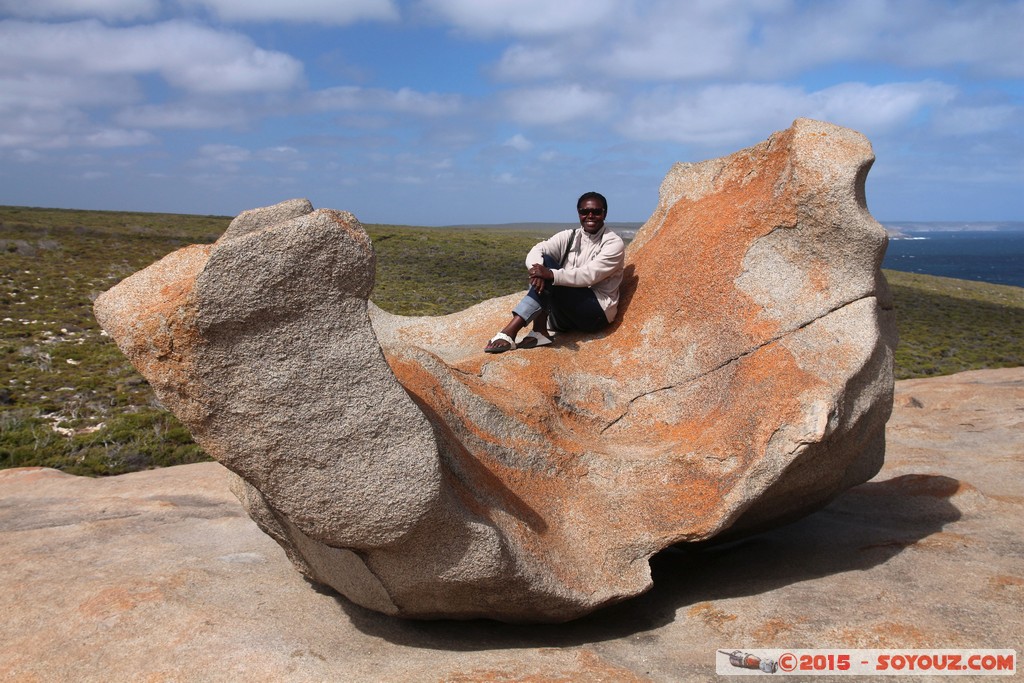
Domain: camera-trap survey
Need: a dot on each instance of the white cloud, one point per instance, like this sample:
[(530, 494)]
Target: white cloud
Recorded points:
[(224, 153), (186, 55), (48, 91), (737, 114), (678, 41), (115, 137), (977, 120), (522, 62), (39, 130), (54, 77), (877, 108), (283, 156), (226, 157), (661, 40), (523, 17), (667, 40), (816, 34), (181, 115), (985, 36), (712, 116), (555, 104), (26, 156), (112, 10), (519, 143), (337, 12), (404, 100), (69, 127), (279, 153)]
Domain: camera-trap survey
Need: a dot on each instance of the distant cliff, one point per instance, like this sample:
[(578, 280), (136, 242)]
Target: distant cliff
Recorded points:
[(898, 229)]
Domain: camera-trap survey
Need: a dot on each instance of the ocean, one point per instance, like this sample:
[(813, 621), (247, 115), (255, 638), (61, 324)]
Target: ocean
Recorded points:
[(991, 251), (990, 256)]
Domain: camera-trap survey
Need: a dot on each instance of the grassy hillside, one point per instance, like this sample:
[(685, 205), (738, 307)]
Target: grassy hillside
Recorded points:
[(949, 325), (69, 399)]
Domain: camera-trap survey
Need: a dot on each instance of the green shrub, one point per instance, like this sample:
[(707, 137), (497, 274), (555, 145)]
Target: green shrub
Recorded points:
[(949, 326), (69, 399)]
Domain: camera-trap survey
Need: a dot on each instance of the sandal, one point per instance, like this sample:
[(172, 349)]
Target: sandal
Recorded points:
[(533, 340), (500, 343)]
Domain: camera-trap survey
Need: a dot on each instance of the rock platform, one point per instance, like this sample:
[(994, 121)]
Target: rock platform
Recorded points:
[(161, 576)]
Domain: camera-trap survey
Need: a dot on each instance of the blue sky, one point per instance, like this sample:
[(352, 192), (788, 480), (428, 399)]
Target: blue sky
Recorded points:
[(435, 112)]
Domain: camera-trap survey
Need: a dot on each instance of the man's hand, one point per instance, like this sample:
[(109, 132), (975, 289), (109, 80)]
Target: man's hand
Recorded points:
[(541, 271), (540, 275)]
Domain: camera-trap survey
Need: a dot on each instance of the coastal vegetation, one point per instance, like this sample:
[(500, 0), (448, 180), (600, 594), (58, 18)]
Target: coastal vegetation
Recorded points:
[(69, 399)]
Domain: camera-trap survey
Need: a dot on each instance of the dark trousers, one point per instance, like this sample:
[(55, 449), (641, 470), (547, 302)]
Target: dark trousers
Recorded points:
[(569, 308)]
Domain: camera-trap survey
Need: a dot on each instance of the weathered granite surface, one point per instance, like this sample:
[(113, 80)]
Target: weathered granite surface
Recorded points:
[(161, 576), (747, 383)]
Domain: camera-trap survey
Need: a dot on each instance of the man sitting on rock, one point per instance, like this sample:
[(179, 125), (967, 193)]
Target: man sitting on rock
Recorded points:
[(574, 281)]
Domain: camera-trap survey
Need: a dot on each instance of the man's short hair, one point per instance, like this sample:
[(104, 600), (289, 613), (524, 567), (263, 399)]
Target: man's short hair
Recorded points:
[(592, 195)]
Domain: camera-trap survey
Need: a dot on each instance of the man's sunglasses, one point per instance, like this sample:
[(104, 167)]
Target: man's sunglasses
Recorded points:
[(591, 212)]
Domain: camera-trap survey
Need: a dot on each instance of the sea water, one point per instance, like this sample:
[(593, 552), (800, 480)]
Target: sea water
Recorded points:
[(990, 256)]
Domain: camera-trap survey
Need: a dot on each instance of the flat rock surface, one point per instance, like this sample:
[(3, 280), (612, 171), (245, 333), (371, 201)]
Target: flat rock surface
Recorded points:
[(160, 575)]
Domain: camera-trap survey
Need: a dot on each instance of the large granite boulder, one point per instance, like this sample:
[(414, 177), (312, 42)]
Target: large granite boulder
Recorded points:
[(746, 383)]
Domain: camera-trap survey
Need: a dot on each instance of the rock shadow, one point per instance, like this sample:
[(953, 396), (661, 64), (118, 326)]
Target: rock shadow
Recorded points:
[(864, 527), (630, 282)]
